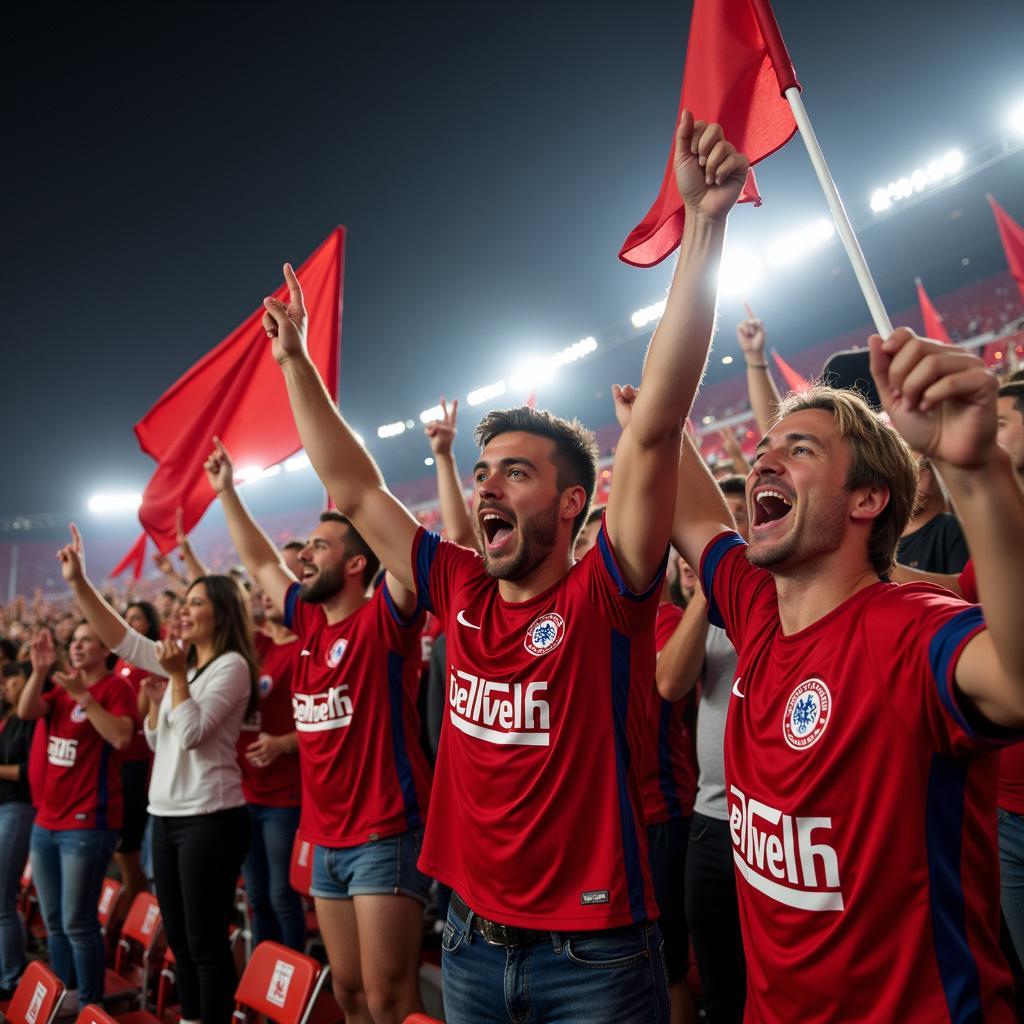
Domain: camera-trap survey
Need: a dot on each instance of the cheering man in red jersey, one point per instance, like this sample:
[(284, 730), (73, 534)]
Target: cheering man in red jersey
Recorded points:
[(365, 780), (537, 819)]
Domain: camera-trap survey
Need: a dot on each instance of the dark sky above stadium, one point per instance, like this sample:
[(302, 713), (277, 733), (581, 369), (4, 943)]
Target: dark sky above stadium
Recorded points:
[(487, 158)]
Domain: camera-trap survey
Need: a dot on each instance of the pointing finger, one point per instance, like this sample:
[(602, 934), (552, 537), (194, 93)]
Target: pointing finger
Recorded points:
[(294, 288)]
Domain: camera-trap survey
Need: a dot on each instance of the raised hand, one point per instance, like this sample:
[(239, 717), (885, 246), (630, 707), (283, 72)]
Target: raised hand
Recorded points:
[(286, 324), (41, 652), (709, 172), (624, 395), (179, 526), (154, 687), (731, 444), (72, 558), (163, 563), (441, 433), (172, 654), (750, 334), (219, 472), (72, 683), (940, 398)]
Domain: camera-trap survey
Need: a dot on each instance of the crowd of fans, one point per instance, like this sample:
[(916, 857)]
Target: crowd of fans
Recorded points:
[(629, 786)]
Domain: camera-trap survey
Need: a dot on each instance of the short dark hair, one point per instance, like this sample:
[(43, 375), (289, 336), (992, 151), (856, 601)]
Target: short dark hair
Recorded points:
[(17, 668), (174, 595), (151, 615), (733, 484), (354, 544), (1015, 390), (576, 452), (294, 545), (8, 649)]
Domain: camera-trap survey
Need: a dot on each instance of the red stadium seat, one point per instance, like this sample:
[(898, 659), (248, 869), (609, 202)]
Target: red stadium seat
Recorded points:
[(300, 873), (92, 1014), (279, 984), (136, 952), (421, 1018), (110, 910), (37, 998)]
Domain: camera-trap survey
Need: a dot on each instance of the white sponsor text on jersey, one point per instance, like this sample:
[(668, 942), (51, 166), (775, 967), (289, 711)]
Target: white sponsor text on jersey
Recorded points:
[(318, 712), (503, 713), (61, 752)]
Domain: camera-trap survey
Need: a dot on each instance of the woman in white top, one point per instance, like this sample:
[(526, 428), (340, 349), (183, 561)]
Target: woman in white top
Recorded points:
[(200, 821)]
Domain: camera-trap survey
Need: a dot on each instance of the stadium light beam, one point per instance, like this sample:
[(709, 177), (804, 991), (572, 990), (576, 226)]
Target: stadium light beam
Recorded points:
[(115, 501), (391, 429), (435, 412), (1015, 120), (296, 462), (950, 164), (642, 317), (796, 245), (486, 393), (740, 274)]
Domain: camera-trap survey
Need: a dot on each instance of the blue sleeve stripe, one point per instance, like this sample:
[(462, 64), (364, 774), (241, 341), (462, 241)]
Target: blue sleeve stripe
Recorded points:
[(426, 548), (291, 599), (942, 651), (608, 557), (395, 613), (709, 566), (403, 763)]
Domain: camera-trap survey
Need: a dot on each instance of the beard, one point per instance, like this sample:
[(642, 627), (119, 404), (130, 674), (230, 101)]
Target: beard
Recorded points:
[(323, 586), (820, 534), (538, 534)]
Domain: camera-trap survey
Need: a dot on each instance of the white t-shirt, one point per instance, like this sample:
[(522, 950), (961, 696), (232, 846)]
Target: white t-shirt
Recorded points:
[(195, 770)]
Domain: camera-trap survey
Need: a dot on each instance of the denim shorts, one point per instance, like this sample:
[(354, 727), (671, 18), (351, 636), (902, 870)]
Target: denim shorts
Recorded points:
[(379, 867)]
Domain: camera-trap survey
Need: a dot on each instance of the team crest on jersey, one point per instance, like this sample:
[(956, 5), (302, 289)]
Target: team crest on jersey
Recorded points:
[(808, 711), (78, 714), (544, 634), (337, 652), (266, 684)]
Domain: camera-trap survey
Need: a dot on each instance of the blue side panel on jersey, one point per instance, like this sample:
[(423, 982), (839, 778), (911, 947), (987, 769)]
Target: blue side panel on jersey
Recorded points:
[(621, 654), (666, 777), (709, 566), (425, 552), (103, 788), (944, 818), (395, 613), (403, 766), (291, 599), (944, 645), (608, 557)]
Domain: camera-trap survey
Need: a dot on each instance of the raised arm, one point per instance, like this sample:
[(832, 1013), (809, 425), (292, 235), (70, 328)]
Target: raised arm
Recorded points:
[(764, 395), (344, 466), (681, 660), (454, 513), (261, 559), (943, 401), (109, 626), (194, 567), (709, 174)]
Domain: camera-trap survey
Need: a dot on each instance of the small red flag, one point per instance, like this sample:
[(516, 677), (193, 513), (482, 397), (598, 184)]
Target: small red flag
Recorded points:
[(236, 392), (794, 381), (134, 560), (1012, 235), (933, 326), (736, 72)]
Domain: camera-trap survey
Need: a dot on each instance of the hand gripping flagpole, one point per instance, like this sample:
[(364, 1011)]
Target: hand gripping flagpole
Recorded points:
[(790, 88)]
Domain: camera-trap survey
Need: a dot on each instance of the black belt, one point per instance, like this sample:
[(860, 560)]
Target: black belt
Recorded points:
[(496, 934)]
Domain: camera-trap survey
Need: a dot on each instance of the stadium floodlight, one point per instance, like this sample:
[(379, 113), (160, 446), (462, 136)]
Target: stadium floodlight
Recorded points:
[(532, 373), (795, 245), (119, 501), (950, 164), (726, 360), (642, 317), (249, 474), (296, 462), (391, 429), (428, 461), (571, 353), (435, 412), (1015, 121), (740, 273), (486, 393)]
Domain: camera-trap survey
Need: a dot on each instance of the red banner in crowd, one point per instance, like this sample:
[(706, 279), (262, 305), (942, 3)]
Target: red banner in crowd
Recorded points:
[(1012, 235), (794, 381), (736, 70), (237, 392), (933, 325)]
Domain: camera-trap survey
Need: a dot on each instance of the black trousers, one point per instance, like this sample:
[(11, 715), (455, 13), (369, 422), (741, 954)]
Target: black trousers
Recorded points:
[(712, 913), (196, 861)]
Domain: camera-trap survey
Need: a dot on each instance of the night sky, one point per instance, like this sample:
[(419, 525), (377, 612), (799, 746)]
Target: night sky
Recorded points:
[(488, 160)]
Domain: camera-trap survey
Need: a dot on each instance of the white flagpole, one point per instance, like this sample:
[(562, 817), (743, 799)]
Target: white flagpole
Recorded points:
[(843, 225)]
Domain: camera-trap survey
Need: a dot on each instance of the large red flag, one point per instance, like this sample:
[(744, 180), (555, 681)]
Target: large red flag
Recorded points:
[(794, 381), (1012, 235), (736, 71), (933, 325), (236, 392), (134, 560)]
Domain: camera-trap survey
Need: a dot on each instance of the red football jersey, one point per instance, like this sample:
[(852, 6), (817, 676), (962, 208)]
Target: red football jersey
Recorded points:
[(278, 784), (83, 771), (538, 820), (861, 809), (138, 749), (364, 774), (670, 760)]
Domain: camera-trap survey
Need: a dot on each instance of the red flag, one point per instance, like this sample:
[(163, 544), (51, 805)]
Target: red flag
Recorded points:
[(794, 381), (531, 399), (933, 325), (135, 560), (1012, 235), (237, 392), (736, 71)]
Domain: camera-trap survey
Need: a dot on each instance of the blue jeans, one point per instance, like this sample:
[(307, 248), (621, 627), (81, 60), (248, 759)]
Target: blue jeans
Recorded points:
[(15, 829), (68, 868), (604, 977), (1011, 876), (277, 911)]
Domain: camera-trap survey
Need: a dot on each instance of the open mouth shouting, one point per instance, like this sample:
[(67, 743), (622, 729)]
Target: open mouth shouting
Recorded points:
[(308, 571), (498, 530), (771, 506)]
